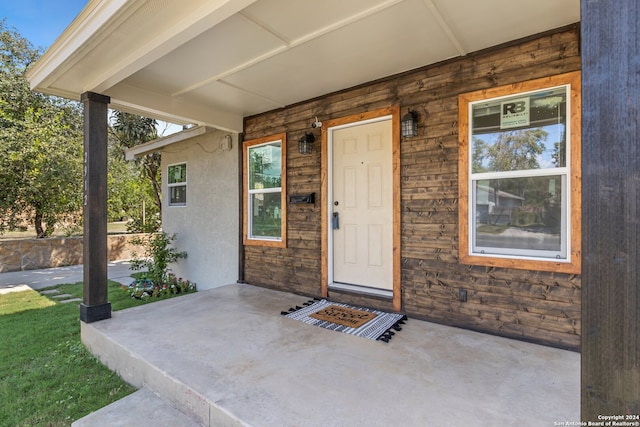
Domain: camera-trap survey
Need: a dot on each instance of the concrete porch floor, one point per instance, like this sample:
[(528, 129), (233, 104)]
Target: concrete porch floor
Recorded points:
[(227, 357)]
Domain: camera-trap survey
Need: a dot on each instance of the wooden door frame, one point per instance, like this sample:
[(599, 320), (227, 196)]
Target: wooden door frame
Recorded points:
[(394, 112)]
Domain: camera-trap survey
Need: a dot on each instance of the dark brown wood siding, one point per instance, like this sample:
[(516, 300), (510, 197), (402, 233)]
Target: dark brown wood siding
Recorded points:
[(611, 207), (531, 305)]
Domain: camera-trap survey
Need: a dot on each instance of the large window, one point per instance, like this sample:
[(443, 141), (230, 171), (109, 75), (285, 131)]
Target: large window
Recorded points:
[(520, 175), (177, 184), (264, 195)]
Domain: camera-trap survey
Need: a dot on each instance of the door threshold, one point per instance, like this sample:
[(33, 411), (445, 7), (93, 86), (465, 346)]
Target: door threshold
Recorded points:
[(363, 290)]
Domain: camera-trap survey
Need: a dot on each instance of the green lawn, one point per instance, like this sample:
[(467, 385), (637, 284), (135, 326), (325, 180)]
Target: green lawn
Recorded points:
[(47, 377)]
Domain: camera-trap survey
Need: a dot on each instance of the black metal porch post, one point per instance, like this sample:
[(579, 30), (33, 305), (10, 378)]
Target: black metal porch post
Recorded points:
[(611, 209), (95, 305)]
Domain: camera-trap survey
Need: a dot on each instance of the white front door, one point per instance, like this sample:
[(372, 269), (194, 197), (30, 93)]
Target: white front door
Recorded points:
[(362, 205)]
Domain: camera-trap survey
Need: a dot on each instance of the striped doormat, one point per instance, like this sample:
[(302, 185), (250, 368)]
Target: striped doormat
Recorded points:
[(359, 321)]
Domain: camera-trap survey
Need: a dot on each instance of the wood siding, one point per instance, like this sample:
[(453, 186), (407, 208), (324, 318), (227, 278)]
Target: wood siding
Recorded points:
[(531, 305), (611, 206)]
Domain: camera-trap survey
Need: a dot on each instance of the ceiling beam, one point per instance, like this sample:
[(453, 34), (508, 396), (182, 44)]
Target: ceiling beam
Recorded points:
[(287, 46), (274, 102), (445, 27), (159, 143), (151, 104)]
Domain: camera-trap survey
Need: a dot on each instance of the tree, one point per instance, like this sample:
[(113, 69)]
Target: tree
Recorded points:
[(516, 150), (129, 130), (479, 154), (126, 190), (40, 145)]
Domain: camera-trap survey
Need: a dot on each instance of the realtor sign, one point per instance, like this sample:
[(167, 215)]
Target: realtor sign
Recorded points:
[(514, 113)]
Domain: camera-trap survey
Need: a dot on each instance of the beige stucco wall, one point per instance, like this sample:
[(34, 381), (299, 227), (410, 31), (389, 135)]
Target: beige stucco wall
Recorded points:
[(207, 228)]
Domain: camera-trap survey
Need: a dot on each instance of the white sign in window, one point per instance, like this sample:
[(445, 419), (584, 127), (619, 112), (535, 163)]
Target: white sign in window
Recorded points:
[(519, 175)]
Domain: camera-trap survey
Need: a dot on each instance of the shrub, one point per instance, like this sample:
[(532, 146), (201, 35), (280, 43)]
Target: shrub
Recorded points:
[(158, 254), (145, 289)]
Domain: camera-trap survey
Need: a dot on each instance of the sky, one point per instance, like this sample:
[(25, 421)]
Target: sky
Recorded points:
[(43, 21), (40, 21)]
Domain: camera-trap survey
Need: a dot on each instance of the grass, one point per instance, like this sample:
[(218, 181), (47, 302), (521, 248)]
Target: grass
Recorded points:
[(47, 377), (492, 229), (16, 302)]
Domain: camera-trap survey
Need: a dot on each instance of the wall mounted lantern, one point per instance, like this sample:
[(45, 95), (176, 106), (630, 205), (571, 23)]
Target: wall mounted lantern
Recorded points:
[(409, 124), (305, 144)]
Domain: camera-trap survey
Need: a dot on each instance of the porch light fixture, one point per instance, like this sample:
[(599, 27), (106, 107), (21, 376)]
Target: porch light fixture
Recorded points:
[(305, 144), (409, 124)]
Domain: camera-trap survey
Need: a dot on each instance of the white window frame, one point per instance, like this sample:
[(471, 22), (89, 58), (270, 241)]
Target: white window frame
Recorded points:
[(177, 184), (567, 259), (248, 237), (563, 172)]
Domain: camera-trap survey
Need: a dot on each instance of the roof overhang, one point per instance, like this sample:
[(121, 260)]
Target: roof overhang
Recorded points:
[(214, 62), (159, 143)]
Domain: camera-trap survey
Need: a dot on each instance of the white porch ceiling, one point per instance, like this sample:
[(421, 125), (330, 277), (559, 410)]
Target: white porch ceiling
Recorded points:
[(215, 62)]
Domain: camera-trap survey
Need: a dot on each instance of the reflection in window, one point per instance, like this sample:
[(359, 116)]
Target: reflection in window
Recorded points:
[(266, 215), (264, 211), (177, 184), (518, 177), (520, 216)]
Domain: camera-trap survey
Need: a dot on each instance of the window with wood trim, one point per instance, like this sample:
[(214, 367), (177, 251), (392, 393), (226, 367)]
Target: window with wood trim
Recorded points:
[(519, 175), (177, 184), (264, 204)]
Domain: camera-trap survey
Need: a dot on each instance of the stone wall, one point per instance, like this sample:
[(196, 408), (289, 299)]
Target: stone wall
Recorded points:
[(32, 254)]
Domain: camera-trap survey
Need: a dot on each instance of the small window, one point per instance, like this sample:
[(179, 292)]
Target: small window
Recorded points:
[(177, 184), (264, 197), (520, 175)]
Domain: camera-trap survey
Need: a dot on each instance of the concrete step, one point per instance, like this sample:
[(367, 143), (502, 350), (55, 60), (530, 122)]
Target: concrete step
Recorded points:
[(66, 301), (144, 373), (140, 409), (55, 295)]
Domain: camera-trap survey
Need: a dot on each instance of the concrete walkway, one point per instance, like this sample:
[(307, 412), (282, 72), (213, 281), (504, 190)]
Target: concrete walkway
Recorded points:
[(118, 271)]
